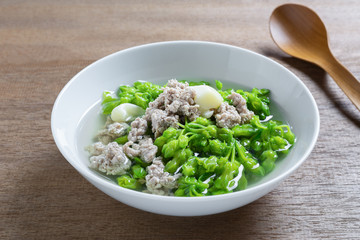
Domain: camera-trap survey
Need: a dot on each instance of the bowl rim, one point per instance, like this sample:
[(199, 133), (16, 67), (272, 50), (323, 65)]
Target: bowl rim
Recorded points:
[(106, 183)]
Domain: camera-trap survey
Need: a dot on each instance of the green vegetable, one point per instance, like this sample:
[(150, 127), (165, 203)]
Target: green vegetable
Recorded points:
[(128, 182), (230, 175), (250, 163), (191, 83), (268, 159), (209, 164), (224, 181), (141, 94), (202, 121), (225, 93), (288, 134), (110, 101), (170, 148), (138, 172), (190, 166), (266, 140), (141, 99), (278, 143), (217, 147), (190, 187), (242, 183), (140, 162), (225, 134), (245, 130), (122, 140), (168, 135), (170, 132), (179, 158), (183, 141), (258, 101), (219, 84), (246, 143)]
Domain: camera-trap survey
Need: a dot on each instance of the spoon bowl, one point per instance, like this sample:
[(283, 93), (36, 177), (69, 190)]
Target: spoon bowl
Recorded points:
[(299, 31)]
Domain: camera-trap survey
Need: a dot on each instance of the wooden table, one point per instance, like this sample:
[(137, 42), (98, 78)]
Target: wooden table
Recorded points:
[(45, 43)]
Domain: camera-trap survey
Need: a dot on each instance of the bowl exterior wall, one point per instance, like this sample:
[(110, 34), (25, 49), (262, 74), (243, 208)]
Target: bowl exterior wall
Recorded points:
[(184, 208)]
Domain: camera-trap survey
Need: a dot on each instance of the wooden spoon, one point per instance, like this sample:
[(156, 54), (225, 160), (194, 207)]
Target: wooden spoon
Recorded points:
[(299, 31)]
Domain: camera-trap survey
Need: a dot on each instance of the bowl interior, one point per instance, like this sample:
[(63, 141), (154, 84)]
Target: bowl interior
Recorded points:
[(76, 115)]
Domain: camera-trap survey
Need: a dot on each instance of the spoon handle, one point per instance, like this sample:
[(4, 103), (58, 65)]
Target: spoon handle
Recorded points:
[(344, 79)]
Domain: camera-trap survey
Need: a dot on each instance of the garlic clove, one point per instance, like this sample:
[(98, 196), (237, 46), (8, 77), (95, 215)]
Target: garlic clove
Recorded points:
[(126, 112)]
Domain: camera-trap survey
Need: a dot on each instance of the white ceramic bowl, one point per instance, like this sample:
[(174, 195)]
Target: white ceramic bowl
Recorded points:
[(76, 113)]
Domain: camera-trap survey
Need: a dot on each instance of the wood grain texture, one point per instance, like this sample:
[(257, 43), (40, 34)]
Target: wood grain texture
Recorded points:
[(45, 43)]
